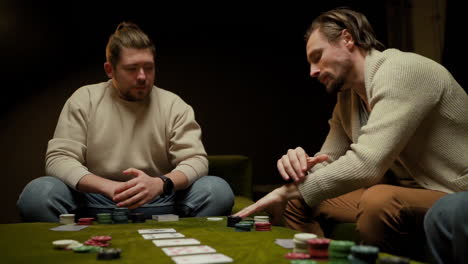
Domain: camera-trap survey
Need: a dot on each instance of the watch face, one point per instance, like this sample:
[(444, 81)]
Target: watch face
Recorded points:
[(168, 186)]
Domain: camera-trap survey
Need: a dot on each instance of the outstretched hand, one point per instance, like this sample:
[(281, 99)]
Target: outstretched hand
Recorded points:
[(273, 203), (137, 191)]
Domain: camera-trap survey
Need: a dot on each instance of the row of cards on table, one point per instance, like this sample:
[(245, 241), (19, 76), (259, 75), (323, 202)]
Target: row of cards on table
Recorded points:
[(183, 250)]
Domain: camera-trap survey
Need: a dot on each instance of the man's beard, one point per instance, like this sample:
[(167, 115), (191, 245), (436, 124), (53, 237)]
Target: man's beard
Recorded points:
[(335, 86)]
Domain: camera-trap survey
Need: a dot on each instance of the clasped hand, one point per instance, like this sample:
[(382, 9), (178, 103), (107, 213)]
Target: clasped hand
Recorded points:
[(137, 191)]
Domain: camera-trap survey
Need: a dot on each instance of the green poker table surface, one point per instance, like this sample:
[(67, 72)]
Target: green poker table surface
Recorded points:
[(32, 242)]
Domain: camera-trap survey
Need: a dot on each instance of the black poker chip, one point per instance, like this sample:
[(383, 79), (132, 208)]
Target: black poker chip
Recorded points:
[(108, 253)]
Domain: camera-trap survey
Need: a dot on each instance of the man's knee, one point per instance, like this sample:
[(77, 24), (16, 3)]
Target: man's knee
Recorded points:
[(214, 189), (376, 200), (447, 211), (39, 196)]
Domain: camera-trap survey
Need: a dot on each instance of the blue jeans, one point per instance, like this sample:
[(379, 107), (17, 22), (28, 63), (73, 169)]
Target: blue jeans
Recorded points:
[(446, 227), (45, 198)]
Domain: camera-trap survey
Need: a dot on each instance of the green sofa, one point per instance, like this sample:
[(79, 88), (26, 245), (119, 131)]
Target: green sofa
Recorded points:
[(237, 171)]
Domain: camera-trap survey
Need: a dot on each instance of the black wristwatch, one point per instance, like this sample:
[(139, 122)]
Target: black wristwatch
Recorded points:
[(168, 186)]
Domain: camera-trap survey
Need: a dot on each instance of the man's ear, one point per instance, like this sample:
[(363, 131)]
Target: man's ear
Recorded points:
[(347, 38), (108, 69)]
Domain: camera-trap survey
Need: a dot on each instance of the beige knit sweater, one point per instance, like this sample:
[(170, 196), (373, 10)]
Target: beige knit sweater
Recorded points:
[(419, 117), (99, 133)]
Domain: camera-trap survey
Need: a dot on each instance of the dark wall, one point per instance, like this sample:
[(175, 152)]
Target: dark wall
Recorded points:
[(241, 67)]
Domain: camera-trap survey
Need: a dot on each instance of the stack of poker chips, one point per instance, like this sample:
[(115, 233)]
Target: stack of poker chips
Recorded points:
[(67, 219), (85, 221), (243, 226), (138, 217), (261, 219), (300, 242), (108, 253), (338, 250), (233, 220), (98, 241), (120, 215), (318, 247), (393, 260), (363, 254), (104, 218), (263, 226)]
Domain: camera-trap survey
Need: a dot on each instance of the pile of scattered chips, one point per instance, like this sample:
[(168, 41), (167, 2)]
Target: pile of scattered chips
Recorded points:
[(66, 244), (85, 221), (67, 219), (99, 241), (300, 242), (363, 254), (338, 250), (318, 247), (108, 253), (233, 220)]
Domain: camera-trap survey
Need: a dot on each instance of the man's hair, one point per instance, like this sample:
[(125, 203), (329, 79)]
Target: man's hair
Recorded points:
[(332, 23), (127, 35)]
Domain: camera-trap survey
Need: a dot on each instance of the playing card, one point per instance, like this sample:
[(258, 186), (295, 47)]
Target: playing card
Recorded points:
[(205, 258), (176, 242), (286, 243), (157, 231), (189, 250), (162, 235), (165, 217), (69, 228)]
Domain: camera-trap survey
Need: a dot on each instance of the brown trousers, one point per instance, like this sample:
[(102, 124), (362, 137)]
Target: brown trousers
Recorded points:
[(387, 216)]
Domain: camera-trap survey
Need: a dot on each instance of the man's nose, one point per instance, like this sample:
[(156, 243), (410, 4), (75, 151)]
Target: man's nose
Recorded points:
[(314, 71), (141, 74)]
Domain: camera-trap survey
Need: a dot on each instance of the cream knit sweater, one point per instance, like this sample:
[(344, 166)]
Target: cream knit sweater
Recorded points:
[(100, 133), (419, 117)]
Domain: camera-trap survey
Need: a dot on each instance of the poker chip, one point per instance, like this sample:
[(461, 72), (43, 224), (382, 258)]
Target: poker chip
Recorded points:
[(233, 220), (263, 226), (393, 260), (242, 227), (365, 253), (102, 238), (303, 261), (104, 218), (318, 247), (294, 255), (108, 253), (85, 221), (85, 249), (67, 219), (214, 218), (138, 217), (63, 243)]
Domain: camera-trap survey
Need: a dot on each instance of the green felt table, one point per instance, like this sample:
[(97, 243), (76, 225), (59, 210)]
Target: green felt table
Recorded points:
[(32, 242)]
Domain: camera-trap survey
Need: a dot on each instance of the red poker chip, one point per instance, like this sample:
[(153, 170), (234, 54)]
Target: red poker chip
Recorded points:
[(318, 253), (294, 255), (102, 238), (91, 242)]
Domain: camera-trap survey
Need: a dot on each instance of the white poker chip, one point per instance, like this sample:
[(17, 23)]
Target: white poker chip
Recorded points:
[(64, 243), (303, 237), (214, 218)]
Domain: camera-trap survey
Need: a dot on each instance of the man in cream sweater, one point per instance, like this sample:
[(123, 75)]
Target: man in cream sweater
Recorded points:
[(398, 139), (126, 143)]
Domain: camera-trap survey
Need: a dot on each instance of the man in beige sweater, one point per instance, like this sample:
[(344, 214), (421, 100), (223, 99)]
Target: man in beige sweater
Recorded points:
[(126, 143), (398, 139)]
